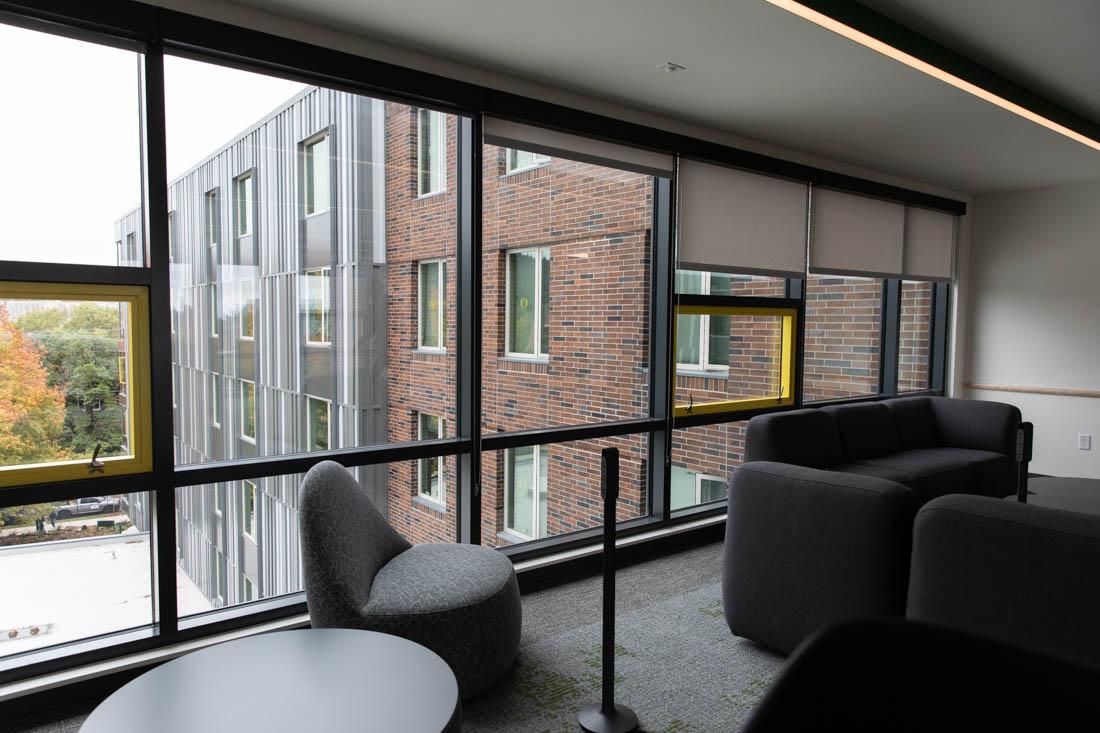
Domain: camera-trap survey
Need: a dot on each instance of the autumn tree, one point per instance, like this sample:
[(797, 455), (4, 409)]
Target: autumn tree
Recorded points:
[(32, 413), (80, 353)]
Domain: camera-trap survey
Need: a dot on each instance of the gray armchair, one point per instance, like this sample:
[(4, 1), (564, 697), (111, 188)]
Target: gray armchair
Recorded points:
[(460, 601)]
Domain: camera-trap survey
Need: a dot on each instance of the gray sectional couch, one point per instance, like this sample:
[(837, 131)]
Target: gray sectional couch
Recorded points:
[(820, 517), (933, 445)]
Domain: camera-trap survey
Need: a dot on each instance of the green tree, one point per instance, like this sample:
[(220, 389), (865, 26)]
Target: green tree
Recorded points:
[(80, 354), (32, 412)]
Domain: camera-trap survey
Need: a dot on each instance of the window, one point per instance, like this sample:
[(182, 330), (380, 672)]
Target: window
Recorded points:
[(248, 309), (248, 411), (215, 401), (843, 332), (317, 306), (219, 579), (248, 510), (703, 341), (318, 423), (528, 302), (915, 336), (431, 152), (215, 309), (433, 309), (517, 161), (219, 499), (691, 489), (317, 177), (66, 349), (212, 225), (430, 479), (525, 491), (243, 189)]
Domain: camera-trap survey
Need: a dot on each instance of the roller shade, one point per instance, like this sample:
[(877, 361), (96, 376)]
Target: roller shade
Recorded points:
[(550, 142), (929, 245), (735, 221), (856, 235)]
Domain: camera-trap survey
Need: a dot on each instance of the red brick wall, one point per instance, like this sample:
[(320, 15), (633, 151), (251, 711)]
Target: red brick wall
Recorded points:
[(843, 329), (914, 335), (417, 229)]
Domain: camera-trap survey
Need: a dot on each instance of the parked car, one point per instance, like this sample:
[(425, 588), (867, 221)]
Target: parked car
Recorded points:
[(88, 505)]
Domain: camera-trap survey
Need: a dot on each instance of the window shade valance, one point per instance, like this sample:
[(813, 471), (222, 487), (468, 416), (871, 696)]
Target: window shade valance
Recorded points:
[(857, 235), (550, 142), (735, 221)]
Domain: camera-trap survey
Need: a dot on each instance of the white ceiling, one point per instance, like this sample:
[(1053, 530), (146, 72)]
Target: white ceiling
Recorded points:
[(759, 72)]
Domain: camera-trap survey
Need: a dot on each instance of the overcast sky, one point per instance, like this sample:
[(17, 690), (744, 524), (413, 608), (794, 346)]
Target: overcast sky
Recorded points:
[(69, 127)]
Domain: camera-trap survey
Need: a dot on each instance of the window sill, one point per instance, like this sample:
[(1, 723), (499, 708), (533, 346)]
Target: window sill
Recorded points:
[(318, 344), (315, 214), (250, 441), (427, 350), (512, 537), (521, 359), (706, 373), (528, 169), (430, 504), (430, 194)]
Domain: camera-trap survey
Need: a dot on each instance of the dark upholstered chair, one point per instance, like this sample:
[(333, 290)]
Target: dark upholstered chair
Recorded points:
[(895, 675), (460, 601), (806, 548), (1014, 572)]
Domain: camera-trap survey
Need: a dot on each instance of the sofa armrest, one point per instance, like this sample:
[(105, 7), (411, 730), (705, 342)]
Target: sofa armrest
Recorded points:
[(1018, 573), (976, 424), (806, 548)]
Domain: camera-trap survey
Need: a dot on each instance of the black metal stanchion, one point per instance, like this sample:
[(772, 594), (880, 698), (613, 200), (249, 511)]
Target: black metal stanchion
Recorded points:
[(606, 716)]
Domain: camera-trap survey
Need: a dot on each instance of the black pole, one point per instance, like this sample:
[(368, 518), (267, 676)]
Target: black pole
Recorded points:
[(607, 717)]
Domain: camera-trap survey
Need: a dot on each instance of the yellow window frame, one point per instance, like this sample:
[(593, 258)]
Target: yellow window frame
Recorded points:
[(135, 382), (785, 395)]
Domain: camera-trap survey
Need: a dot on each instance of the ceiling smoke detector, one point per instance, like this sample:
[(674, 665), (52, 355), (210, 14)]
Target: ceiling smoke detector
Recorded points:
[(670, 67)]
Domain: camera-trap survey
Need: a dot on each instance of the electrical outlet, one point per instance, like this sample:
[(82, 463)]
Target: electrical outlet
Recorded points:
[(1084, 441)]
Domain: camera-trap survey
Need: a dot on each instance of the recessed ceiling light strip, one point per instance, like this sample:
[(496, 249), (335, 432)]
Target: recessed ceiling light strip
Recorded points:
[(911, 61)]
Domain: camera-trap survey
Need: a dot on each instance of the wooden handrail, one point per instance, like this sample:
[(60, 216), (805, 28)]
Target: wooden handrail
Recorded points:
[(1059, 391)]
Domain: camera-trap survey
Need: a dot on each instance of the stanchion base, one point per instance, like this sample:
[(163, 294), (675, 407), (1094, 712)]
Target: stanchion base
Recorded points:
[(594, 720)]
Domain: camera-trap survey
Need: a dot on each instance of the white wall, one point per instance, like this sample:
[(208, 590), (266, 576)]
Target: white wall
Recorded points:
[(1034, 314)]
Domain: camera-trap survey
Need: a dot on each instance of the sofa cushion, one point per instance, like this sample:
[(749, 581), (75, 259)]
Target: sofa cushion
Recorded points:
[(976, 424), (886, 472), (994, 473), (801, 437), (914, 421), (866, 430), (937, 471)]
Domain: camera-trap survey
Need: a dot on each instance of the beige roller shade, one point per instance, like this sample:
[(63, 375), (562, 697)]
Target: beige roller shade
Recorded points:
[(856, 235), (929, 245), (734, 221), (550, 142)]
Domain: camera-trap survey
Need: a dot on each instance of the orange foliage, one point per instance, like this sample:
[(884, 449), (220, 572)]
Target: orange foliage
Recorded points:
[(31, 413)]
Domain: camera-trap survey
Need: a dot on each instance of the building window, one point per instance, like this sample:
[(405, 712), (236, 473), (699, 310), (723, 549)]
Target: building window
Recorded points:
[(702, 341), (219, 499), (317, 306), (244, 196), (213, 230), (215, 401), (431, 152), (318, 423), (248, 510), (317, 196), (528, 303), (248, 591), (248, 309), (433, 310), (430, 479), (215, 309), (525, 473), (691, 489), (248, 410), (219, 579), (517, 161)]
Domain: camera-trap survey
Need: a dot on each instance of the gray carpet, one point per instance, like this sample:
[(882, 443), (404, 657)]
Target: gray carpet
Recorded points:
[(676, 663)]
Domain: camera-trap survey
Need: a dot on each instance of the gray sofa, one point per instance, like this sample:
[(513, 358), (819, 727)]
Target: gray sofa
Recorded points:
[(820, 516), (1017, 573), (933, 445)]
